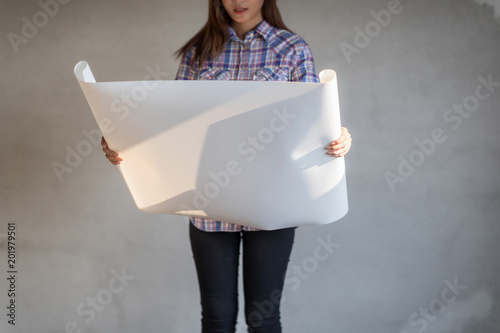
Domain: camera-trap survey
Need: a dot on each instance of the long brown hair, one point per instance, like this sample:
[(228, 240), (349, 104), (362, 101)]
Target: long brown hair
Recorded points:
[(210, 40)]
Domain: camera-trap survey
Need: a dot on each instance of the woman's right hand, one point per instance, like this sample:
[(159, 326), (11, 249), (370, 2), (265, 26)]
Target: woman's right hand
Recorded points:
[(111, 155)]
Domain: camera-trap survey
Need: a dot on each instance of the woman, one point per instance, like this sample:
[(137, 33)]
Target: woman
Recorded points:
[(243, 40)]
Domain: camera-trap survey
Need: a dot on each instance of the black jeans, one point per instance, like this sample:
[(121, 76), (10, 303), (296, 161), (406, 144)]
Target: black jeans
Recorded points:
[(265, 259)]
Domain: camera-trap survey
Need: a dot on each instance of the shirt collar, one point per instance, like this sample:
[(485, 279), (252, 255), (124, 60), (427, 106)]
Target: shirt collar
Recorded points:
[(264, 29)]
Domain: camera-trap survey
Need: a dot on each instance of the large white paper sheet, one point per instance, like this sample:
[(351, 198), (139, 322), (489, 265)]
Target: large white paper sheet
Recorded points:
[(245, 152)]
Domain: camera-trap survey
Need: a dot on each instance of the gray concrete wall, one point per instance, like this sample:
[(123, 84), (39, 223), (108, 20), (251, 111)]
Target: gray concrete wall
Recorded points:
[(418, 250)]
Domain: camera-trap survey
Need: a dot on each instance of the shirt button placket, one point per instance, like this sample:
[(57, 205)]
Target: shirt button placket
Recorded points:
[(243, 70)]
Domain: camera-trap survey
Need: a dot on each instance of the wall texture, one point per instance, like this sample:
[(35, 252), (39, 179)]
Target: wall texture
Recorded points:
[(418, 251)]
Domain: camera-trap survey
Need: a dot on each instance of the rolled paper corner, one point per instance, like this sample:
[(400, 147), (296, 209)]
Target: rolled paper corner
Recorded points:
[(327, 75), (83, 73)]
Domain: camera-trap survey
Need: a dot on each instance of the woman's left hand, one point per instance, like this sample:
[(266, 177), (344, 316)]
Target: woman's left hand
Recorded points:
[(341, 146)]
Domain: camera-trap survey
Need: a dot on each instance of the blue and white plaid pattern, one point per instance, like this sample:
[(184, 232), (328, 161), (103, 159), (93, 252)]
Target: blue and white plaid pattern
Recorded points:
[(266, 54)]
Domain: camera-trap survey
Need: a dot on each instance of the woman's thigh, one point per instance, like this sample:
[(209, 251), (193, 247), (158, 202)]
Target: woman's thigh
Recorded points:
[(216, 259), (265, 259)]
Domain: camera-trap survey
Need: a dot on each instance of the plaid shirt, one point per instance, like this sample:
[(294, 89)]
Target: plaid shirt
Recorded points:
[(266, 54)]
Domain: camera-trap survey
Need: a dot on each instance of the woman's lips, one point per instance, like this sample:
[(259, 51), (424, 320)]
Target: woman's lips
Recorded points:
[(240, 11)]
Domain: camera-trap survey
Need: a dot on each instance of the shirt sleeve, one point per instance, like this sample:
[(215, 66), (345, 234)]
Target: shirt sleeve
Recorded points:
[(187, 70), (304, 69)]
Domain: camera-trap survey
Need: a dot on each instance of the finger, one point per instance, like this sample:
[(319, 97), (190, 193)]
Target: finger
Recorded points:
[(335, 146), (114, 159), (109, 152), (104, 144), (340, 152), (344, 139), (344, 135)]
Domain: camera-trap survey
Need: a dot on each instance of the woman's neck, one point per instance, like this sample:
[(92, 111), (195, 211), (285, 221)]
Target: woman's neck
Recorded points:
[(241, 29)]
